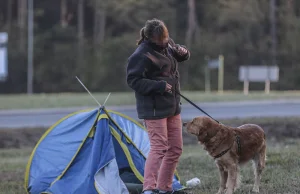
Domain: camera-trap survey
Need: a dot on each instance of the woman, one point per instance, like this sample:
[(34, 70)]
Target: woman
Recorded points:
[(152, 72)]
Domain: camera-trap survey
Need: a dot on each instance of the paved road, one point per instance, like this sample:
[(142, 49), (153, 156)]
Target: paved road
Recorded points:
[(220, 110)]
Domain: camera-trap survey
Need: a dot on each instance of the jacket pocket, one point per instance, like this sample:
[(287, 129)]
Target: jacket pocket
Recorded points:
[(164, 102), (154, 105)]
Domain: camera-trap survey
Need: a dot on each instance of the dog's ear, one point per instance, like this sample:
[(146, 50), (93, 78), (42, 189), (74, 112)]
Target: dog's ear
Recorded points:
[(202, 136), (213, 128), (208, 123)]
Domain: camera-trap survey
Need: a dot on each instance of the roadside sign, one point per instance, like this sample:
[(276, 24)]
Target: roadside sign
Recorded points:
[(3, 56)]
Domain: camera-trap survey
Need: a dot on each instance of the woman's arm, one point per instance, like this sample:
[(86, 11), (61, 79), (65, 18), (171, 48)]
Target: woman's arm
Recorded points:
[(136, 79), (178, 51)]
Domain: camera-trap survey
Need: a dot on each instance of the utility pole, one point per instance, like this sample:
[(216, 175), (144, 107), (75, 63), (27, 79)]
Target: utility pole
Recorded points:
[(273, 30), (30, 48), (274, 42)]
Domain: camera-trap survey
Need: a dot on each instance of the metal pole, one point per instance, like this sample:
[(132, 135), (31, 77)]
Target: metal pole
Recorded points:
[(30, 48), (89, 91), (273, 30), (274, 42)]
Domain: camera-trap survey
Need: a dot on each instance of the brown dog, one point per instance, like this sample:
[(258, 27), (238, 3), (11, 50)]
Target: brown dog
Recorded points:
[(231, 147)]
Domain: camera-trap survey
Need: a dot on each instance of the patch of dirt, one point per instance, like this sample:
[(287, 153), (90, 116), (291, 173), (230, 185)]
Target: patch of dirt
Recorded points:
[(275, 128), (18, 138)]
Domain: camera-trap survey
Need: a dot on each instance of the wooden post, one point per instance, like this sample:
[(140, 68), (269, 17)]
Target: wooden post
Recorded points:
[(207, 80), (221, 74), (267, 86), (267, 81), (246, 87)]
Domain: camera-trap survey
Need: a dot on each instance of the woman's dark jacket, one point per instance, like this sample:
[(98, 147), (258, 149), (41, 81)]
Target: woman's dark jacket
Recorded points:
[(148, 80)]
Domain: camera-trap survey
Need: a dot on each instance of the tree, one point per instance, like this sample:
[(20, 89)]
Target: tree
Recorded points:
[(104, 34), (80, 27), (22, 13), (192, 28), (9, 15), (65, 15), (99, 22)]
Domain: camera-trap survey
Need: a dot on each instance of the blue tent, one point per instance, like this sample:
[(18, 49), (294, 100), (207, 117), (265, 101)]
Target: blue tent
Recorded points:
[(85, 153)]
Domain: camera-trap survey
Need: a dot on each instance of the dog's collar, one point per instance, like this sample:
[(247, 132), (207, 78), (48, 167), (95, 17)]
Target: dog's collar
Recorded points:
[(222, 153), (237, 139)]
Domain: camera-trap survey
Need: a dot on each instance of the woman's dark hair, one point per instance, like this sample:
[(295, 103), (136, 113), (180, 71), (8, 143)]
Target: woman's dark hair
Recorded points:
[(153, 28)]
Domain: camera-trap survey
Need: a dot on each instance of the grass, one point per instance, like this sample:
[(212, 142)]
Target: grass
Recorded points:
[(281, 175), (12, 167), (23, 101)]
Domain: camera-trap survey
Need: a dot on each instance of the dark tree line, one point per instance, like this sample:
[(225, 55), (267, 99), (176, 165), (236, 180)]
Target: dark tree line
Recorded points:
[(93, 39)]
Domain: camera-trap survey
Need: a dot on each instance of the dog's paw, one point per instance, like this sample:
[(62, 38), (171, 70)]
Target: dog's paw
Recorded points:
[(255, 189), (229, 191), (221, 191)]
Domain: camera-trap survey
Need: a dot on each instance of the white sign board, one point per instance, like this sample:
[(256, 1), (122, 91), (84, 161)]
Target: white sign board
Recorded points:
[(259, 73), (3, 37), (213, 64), (3, 56)]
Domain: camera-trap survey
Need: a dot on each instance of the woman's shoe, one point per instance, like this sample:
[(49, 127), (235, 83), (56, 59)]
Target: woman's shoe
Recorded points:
[(153, 191), (174, 192)]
